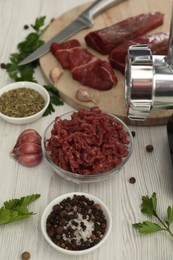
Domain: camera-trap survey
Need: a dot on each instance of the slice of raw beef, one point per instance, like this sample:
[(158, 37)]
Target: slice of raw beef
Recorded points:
[(104, 40), (61, 51), (158, 43), (80, 56), (84, 66), (97, 74)]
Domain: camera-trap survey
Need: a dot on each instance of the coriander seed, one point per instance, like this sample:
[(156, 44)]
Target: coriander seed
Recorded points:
[(26, 256)]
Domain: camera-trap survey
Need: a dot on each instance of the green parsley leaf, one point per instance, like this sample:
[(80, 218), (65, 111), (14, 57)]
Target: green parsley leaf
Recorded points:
[(169, 215), (147, 227), (5, 216), (16, 209), (39, 22), (149, 205), (54, 99), (26, 72), (26, 47), (49, 110), (30, 44), (52, 90)]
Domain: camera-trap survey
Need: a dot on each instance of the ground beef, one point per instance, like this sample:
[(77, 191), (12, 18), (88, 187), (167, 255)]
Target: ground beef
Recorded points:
[(91, 142)]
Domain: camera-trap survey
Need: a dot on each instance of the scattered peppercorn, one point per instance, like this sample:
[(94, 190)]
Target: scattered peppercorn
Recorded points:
[(3, 65), (132, 180), (76, 223), (25, 255), (25, 26), (149, 148), (133, 133)]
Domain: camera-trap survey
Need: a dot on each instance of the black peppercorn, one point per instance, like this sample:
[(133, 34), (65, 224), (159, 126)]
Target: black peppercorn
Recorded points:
[(133, 133), (132, 180), (25, 26), (149, 148), (3, 66), (67, 227)]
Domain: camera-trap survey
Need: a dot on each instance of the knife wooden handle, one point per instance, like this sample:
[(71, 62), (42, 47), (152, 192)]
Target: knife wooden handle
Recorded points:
[(96, 8)]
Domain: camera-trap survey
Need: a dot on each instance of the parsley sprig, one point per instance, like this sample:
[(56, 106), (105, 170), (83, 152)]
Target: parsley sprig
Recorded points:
[(26, 47), (16, 209), (26, 72), (54, 99), (149, 207)]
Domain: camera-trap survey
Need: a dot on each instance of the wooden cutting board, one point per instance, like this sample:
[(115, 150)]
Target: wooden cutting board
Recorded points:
[(111, 100)]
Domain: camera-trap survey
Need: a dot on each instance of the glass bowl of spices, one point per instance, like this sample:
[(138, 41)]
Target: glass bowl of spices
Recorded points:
[(76, 223), (23, 102), (87, 145)]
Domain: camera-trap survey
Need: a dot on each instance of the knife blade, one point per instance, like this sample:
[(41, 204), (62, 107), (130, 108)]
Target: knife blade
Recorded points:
[(84, 20)]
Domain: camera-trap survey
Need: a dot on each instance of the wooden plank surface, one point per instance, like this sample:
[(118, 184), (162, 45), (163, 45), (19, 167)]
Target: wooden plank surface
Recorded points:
[(153, 171), (111, 100)]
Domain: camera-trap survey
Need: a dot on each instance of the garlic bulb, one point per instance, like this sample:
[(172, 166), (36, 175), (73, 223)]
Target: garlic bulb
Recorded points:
[(27, 149)]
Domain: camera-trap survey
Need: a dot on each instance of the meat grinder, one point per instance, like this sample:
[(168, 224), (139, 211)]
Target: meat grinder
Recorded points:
[(148, 80)]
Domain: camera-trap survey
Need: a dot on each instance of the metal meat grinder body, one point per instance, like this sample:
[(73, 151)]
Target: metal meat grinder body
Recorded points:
[(148, 80)]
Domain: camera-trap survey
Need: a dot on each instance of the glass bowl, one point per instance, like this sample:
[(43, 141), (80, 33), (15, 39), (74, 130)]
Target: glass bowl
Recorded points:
[(30, 85), (97, 206), (85, 178)]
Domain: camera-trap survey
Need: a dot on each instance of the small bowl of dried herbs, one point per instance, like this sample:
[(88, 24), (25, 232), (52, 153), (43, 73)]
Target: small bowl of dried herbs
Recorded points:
[(23, 102), (76, 223)]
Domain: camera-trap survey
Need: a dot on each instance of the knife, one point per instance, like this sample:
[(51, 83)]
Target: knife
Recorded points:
[(84, 20)]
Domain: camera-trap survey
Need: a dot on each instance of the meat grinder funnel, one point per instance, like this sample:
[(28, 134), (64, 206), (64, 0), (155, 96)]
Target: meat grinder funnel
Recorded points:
[(148, 80)]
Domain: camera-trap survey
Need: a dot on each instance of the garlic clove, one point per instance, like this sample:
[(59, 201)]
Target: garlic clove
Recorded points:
[(55, 74), (29, 135), (83, 96), (29, 160), (27, 148), (33, 138), (27, 131)]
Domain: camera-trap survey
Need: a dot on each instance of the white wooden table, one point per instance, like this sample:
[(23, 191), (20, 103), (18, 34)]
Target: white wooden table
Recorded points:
[(153, 171)]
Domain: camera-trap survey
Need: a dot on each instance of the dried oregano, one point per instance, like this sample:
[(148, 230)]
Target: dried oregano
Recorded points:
[(21, 102)]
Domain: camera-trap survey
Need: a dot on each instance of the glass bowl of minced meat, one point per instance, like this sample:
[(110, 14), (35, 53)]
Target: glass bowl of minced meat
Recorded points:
[(23, 102), (87, 145), (76, 223)]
